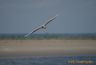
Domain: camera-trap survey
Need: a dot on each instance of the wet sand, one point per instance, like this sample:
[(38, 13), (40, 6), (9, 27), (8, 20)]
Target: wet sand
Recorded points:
[(47, 47)]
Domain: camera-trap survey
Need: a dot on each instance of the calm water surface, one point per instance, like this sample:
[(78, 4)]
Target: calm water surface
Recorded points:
[(49, 60)]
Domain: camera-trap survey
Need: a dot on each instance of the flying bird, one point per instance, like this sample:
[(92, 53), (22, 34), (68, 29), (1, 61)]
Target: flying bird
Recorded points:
[(42, 26)]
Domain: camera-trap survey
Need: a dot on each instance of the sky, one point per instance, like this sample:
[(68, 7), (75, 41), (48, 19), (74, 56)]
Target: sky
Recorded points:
[(21, 16)]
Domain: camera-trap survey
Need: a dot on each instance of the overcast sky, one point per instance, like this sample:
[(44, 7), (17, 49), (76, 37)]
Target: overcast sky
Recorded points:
[(21, 16)]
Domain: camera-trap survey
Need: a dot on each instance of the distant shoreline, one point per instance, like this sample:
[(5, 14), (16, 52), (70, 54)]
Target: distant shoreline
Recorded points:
[(83, 36)]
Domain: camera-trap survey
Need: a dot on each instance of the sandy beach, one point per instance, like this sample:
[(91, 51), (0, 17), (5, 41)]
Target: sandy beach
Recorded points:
[(47, 47)]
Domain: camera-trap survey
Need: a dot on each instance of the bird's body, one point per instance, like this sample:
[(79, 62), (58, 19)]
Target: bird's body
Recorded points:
[(42, 26)]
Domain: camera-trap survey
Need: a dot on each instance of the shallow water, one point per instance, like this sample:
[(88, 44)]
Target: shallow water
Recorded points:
[(49, 60)]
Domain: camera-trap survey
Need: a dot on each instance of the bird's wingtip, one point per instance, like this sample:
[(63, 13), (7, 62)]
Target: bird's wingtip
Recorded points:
[(57, 15), (26, 36)]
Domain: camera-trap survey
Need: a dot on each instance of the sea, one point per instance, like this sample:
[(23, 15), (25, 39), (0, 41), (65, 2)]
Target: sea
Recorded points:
[(49, 60)]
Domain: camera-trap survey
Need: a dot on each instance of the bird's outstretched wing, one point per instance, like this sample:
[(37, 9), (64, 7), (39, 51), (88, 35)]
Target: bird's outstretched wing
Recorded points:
[(40, 27), (34, 30), (50, 20)]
